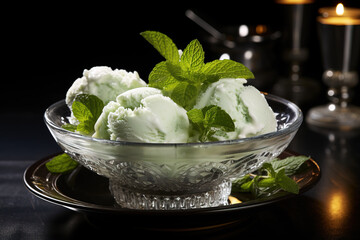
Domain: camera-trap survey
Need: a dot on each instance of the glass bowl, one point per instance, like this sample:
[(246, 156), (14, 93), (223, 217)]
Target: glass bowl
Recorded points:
[(174, 175)]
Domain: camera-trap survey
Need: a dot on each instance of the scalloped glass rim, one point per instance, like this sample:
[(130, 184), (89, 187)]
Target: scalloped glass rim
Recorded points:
[(292, 126)]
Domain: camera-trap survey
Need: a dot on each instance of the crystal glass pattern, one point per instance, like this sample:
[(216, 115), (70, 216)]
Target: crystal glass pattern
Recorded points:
[(174, 176)]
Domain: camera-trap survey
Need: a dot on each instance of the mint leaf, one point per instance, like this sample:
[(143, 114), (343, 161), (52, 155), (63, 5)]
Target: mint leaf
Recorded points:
[(81, 111), (163, 44), (87, 109), (267, 182), (196, 116), (271, 177), (269, 169), (208, 119), (61, 164), (93, 104), (161, 78), (286, 183), (86, 127), (218, 118), (226, 68), (184, 94), (193, 57), (242, 184), (177, 72), (190, 69), (69, 127), (290, 164), (247, 186)]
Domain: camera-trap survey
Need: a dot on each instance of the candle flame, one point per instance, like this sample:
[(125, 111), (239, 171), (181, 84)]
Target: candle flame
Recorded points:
[(340, 9)]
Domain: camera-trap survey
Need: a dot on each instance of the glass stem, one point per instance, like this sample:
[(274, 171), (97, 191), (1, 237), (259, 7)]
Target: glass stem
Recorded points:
[(339, 96), (295, 72), (345, 97)]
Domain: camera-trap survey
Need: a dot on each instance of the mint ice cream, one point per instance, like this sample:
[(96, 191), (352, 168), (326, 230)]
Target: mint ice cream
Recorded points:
[(143, 115), (185, 100), (104, 83), (245, 104)]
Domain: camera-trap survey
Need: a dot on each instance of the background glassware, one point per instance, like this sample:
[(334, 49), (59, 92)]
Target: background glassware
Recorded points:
[(340, 45), (251, 44), (295, 35)]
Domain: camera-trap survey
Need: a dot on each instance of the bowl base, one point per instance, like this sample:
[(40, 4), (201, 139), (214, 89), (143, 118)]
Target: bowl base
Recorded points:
[(126, 198)]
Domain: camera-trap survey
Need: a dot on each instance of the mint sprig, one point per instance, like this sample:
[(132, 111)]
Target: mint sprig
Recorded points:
[(61, 163), (182, 78), (209, 120), (164, 45), (86, 109), (271, 177)]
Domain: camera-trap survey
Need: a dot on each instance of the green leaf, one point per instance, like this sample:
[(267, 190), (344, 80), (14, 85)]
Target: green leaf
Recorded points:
[(237, 185), (61, 164), (286, 183), (290, 164), (87, 109), (86, 127), (184, 94), (81, 112), (272, 177), (247, 186), (177, 72), (193, 57), (163, 44), (160, 77), (92, 103), (226, 68), (269, 169), (209, 118), (69, 127), (196, 116), (218, 118), (183, 78), (267, 182)]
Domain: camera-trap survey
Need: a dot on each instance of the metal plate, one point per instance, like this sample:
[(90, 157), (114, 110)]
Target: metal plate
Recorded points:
[(85, 191)]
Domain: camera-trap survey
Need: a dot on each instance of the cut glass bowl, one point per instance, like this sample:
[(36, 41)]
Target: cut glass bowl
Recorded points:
[(166, 176)]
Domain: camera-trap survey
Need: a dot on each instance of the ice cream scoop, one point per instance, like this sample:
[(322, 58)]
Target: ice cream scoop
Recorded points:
[(104, 83), (245, 104), (143, 115)]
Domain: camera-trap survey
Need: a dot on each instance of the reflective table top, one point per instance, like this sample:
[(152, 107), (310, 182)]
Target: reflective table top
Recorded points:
[(330, 210)]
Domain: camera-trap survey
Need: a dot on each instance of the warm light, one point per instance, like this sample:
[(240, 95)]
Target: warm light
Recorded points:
[(340, 9), (260, 29), (338, 211), (336, 206), (338, 16), (234, 200), (294, 1)]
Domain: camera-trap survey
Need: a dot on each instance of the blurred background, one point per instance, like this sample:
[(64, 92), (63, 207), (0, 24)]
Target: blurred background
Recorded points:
[(48, 46)]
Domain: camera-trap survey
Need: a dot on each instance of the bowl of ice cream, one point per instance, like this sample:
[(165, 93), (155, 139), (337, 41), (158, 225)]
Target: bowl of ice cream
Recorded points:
[(179, 141), (175, 175)]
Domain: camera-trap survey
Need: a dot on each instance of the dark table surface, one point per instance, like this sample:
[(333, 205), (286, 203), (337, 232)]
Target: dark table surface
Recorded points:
[(330, 210)]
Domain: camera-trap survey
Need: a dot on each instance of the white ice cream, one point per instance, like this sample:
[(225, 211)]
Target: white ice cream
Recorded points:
[(105, 83), (143, 115), (245, 104)]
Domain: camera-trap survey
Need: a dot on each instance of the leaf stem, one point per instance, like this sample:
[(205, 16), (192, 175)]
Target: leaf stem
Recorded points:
[(261, 176)]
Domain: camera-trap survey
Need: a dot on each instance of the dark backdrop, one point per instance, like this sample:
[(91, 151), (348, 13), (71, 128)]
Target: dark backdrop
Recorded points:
[(46, 47)]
